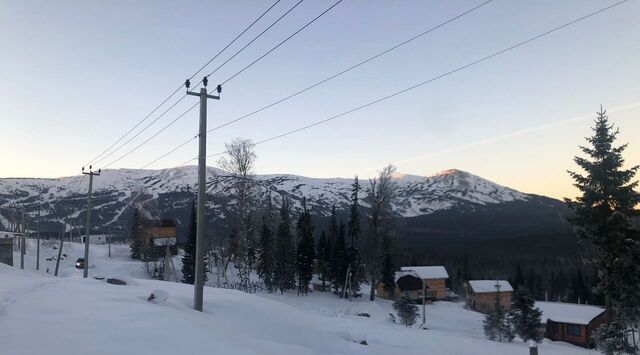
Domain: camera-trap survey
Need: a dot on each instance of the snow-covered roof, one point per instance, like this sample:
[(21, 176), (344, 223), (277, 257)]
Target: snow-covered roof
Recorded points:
[(428, 272), (568, 312), (485, 286)]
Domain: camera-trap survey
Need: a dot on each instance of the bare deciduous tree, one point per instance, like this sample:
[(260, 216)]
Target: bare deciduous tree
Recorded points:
[(380, 195), (239, 162)]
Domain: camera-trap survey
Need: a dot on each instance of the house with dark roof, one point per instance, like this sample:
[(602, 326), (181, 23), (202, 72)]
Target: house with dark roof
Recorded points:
[(432, 277), (570, 322), (160, 234)]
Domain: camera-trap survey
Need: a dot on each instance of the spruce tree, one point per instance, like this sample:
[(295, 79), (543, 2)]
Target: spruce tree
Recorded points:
[(324, 259), (266, 255), (525, 317), (189, 256), (518, 279), (602, 217), (406, 309), (334, 263), (353, 251), (496, 326), (339, 264), (285, 270), (305, 250), (136, 238), (388, 272)]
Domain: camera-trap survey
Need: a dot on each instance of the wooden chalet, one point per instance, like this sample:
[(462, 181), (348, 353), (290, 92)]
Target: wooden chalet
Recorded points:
[(570, 322), (433, 277), (160, 233), (481, 294)]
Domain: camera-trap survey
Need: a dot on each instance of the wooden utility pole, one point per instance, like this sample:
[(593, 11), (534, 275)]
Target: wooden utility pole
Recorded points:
[(22, 251), (109, 239), (87, 232), (38, 245), (202, 171), (424, 304), (64, 226)]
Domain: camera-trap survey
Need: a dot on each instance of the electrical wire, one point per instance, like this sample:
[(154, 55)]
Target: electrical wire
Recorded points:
[(330, 77), (182, 85), (281, 43), (153, 136), (255, 38), (495, 54)]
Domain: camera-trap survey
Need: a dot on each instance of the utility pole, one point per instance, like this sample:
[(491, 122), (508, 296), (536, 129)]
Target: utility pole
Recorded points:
[(109, 239), (64, 226), (202, 166), (424, 302), (22, 241), (38, 245), (88, 231)]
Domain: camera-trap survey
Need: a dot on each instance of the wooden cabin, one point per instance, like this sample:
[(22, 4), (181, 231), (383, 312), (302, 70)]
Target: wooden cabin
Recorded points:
[(158, 234), (481, 294), (433, 277), (570, 322)]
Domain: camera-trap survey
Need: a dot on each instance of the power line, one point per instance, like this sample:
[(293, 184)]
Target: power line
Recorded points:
[(181, 85), (171, 151), (140, 132), (281, 43), (387, 97), (255, 38), (255, 61), (153, 136), (350, 68), (519, 44)]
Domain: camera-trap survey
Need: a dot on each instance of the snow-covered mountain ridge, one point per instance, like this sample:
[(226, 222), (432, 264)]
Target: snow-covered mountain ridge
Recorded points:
[(416, 195)]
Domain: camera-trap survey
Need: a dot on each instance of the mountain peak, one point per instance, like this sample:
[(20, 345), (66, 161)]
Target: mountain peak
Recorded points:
[(450, 172)]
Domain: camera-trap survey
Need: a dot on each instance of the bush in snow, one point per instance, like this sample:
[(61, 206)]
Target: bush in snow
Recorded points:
[(496, 326), (407, 310), (524, 317), (158, 296), (611, 339)]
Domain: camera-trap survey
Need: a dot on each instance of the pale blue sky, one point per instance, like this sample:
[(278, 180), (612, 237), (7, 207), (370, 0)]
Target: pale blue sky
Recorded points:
[(76, 75)]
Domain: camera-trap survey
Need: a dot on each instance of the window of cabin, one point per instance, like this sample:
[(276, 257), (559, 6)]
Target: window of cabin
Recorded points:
[(573, 329)]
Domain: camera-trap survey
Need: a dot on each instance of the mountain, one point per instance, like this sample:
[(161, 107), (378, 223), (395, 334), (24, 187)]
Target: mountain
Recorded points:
[(451, 202)]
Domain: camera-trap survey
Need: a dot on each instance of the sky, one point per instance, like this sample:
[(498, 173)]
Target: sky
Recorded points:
[(77, 75)]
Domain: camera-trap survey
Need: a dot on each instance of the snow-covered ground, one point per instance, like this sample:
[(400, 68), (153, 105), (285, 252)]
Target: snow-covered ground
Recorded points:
[(40, 314)]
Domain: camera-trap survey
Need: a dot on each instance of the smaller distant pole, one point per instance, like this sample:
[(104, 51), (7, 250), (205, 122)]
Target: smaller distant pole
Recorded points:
[(109, 239), (87, 232), (424, 302), (38, 245), (64, 226), (22, 251)]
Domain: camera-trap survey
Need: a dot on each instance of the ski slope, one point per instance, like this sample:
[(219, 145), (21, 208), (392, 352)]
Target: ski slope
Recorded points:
[(41, 314)]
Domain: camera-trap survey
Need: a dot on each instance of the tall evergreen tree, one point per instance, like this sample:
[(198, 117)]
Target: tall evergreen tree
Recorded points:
[(285, 270), (306, 250), (339, 262), (406, 309), (353, 251), (189, 256), (136, 238), (496, 326), (525, 317), (602, 217), (387, 276), (266, 255), (324, 259), (518, 279)]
